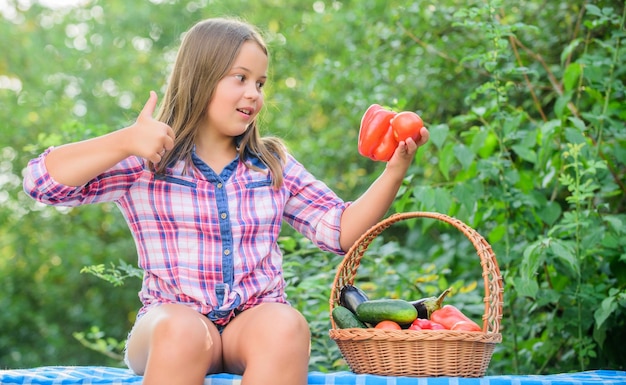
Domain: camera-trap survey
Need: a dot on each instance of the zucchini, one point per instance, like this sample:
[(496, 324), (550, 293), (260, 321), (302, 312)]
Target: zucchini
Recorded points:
[(377, 310), (346, 319)]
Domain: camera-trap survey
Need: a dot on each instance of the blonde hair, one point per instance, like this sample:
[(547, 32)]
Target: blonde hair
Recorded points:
[(205, 56)]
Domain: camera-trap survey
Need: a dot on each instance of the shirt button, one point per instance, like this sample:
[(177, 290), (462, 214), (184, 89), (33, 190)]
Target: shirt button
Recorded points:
[(219, 185), (226, 252), (223, 215)]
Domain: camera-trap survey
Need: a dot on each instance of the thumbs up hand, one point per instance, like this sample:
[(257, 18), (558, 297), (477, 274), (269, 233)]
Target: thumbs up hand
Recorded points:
[(148, 137)]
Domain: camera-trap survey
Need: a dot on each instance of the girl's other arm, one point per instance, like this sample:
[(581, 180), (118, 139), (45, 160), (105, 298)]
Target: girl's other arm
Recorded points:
[(77, 163), (370, 207)]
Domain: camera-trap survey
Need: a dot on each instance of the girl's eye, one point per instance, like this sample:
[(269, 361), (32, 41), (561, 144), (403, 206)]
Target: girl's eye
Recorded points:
[(243, 78)]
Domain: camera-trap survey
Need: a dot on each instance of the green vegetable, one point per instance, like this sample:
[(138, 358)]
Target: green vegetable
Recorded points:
[(377, 310), (351, 296), (346, 319), (426, 306)]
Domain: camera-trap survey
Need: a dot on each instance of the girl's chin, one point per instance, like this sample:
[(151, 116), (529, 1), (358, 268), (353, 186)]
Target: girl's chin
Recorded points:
[(236, 133)]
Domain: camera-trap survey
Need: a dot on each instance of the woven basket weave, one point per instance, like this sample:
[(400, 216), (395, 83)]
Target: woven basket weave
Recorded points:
[(424, 353)]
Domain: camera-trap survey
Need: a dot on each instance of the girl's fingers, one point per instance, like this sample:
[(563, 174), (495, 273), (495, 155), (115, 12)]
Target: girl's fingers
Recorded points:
[(148, 108)]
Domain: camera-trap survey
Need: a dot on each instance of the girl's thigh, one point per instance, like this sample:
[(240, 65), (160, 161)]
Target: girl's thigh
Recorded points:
[(267, 335), (173, 333)]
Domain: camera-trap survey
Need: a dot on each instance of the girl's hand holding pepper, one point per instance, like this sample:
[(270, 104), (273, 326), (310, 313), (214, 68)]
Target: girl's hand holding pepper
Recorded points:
[(383, 132), (405, 152), (374, 203)]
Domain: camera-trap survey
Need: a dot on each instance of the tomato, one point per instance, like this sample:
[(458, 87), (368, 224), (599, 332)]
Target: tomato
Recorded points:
[(406, 125), (389, 325)]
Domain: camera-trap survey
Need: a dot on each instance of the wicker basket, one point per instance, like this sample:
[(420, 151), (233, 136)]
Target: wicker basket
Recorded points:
[(424, 353)]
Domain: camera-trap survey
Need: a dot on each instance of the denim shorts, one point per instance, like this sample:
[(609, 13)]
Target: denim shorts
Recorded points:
[(220, 328)]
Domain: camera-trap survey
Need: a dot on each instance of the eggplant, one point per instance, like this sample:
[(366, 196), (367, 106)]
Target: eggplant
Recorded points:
[(426, 306), (351, 296)]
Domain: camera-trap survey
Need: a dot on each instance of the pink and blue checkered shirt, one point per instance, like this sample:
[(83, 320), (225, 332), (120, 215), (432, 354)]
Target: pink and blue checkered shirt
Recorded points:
[(203, 239)]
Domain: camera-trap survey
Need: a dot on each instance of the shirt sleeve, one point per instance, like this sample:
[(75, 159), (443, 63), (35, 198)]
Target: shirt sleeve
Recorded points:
[(107, 187), (313, 209)]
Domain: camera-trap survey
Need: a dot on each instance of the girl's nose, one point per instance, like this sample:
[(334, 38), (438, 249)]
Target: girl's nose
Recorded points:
[(252, 92)]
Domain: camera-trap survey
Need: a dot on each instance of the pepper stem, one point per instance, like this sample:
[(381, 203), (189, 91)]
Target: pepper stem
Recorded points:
[(441, 297)]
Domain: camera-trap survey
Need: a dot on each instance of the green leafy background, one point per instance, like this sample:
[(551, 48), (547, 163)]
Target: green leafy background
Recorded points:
[(525, 104)]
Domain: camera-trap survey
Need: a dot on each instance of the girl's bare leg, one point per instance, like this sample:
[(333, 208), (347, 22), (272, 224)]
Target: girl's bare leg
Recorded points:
[(173, 344), (269, 344)]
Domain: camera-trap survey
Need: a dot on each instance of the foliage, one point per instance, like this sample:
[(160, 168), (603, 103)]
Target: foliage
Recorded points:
[(537, 164), (525, 105)]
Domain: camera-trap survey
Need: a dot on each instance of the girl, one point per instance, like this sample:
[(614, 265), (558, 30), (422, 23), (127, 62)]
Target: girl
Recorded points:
[(204, 196)]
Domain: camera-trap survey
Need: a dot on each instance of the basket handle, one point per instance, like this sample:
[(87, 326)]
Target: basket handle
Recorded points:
[(346, 272)]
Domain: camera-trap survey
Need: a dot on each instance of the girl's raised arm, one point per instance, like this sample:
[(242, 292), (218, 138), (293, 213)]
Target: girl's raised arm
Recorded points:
[(75, 164), (370, 207)]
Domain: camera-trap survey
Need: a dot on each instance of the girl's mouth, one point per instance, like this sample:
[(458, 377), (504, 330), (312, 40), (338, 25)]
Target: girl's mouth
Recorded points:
[(246, 111)]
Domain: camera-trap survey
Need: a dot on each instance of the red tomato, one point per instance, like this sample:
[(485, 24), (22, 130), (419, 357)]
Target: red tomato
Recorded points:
[(414, 327), (407, 124), (389, 325)]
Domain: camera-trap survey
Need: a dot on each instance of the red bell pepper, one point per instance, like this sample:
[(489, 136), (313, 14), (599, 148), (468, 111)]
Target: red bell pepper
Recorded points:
[(376, 140), (453, 319), (380, 131), (424, 324)]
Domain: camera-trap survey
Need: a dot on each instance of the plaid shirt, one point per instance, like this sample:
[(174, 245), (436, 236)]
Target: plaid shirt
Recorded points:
[(203, 239)]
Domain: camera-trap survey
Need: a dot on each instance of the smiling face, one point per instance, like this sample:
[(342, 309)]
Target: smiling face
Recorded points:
[(238, 97)]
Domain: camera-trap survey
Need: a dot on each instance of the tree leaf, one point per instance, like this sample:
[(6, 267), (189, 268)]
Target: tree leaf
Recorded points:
[(439, 134), (526, 287), (464, 155), (446, 159), (565, 253), (525, 153), (607, 307)]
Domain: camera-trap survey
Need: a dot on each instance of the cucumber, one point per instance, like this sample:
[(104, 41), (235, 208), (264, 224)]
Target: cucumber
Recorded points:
[(346, 319), (397, 310)]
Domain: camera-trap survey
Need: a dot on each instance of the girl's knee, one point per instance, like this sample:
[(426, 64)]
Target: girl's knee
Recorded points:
[(287, 326), (262, 337), (184, 329), (176, 333), (295, 323)]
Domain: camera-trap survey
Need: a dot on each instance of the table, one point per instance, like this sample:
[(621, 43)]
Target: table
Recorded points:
[(100, 375)]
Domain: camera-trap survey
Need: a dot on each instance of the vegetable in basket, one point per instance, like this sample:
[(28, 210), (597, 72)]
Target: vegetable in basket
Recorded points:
[(426, 306), (425, 324), (377, 310), (346, 319), (452, 318), (351, 296)]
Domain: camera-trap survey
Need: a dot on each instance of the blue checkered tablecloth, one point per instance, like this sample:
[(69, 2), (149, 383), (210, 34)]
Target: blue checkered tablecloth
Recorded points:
[(97, 375)]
